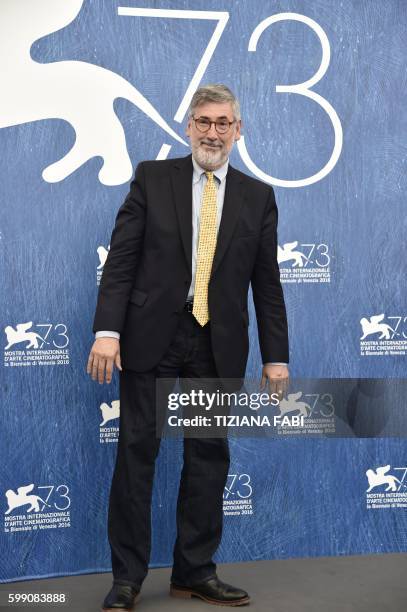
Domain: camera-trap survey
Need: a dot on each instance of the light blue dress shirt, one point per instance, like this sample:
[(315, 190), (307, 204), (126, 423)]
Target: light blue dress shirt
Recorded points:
[(198, 184)]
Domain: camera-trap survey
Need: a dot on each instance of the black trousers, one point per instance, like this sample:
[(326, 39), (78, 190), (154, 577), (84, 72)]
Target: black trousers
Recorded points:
[(203, 477)]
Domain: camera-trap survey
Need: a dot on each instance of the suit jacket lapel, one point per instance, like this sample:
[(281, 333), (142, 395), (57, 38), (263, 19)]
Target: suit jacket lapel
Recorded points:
[(181, 175), (234, 198)]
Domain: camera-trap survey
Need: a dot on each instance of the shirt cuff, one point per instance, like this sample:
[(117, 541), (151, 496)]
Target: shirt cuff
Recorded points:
[(107, 334), (275, 363)]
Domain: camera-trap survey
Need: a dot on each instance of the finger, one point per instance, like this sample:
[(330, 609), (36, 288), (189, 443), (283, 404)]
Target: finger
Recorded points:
[(270, 389), (101, 370), (284, 386), (118, 362), (109, 370), (272, 384), (89, 364), (277, 387), (95, 367)]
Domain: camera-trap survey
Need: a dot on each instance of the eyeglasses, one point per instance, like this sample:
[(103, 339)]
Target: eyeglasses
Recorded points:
[(221, 126)]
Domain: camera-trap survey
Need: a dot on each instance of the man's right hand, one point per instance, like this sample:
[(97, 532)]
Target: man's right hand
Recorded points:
[(105, 353)]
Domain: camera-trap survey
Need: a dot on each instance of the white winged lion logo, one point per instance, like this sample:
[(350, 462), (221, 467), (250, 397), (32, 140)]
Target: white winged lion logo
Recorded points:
[(21, 498), (78, 92)]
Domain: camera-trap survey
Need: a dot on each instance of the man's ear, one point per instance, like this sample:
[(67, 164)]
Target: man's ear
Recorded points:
[(239, 125), (188, 128)]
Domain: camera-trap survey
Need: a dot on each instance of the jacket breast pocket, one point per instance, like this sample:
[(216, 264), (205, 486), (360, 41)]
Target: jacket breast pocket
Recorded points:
[(245, 228), (138, 297)]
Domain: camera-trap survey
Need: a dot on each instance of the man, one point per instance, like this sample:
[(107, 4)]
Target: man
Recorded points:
[(192, 234)]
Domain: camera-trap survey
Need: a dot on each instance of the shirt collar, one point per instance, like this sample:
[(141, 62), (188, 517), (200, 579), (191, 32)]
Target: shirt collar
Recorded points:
[(220, 173)]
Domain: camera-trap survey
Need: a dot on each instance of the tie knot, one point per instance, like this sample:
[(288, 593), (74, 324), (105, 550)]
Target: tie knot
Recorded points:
[(209, 175)]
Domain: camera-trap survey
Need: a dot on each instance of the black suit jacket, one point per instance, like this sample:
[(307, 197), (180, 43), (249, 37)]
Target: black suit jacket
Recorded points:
[(147, 273)]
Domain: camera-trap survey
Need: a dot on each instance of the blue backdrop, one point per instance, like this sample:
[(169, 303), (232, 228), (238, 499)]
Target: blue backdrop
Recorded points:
[(89, 89)]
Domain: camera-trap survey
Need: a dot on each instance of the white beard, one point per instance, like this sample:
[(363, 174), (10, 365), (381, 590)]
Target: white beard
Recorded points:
[(208, 159)]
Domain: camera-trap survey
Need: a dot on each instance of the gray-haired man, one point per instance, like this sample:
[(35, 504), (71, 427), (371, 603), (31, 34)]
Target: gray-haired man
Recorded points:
[(163, 312)]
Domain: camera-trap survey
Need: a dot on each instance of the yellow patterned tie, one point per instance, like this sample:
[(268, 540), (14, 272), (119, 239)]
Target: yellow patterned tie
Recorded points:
[(206, 250)]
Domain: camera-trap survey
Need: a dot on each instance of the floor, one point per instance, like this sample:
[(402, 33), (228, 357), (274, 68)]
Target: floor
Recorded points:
[(375, 583)]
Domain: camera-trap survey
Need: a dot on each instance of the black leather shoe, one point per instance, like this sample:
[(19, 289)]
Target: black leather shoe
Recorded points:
[(213, 591), (121, 597)]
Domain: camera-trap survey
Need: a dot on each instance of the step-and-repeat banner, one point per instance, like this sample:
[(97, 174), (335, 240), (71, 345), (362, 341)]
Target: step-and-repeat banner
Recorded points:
[(88, 89)]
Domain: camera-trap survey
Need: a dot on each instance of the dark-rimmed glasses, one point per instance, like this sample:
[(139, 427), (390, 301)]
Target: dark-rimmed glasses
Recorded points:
[(203, 124)]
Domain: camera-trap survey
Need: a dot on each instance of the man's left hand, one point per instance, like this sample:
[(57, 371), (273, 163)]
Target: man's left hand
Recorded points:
[(276, 377)]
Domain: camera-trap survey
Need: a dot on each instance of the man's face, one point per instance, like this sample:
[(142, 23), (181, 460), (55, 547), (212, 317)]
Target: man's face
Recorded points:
[(211, 149)]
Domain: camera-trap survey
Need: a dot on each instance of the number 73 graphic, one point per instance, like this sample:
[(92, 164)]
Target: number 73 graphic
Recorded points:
[(302, 89)]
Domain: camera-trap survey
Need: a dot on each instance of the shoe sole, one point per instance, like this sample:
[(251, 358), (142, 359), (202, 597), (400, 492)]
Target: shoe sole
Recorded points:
[(136, 600), (185, 593)]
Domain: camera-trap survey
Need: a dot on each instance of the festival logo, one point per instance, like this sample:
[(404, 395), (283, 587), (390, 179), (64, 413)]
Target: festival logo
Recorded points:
[(238, 495), (83, 94), (40, 344), (317, 410), (383, 335), (304, 262), (389, 490), (45, 508), (110, 412)]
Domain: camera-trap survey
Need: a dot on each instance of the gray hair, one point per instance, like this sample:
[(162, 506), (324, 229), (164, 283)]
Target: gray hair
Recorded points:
[(214, 92)]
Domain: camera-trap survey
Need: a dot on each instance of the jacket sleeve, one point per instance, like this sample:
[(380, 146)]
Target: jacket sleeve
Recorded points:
[(120, 267), (267, 291)]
